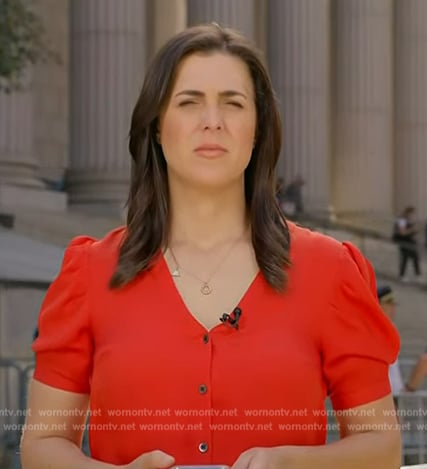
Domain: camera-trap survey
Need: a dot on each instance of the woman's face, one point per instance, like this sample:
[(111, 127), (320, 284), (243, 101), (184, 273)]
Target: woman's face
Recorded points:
[(207, 129)]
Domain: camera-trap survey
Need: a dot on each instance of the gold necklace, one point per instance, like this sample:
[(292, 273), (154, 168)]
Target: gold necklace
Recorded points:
[(206, 288)]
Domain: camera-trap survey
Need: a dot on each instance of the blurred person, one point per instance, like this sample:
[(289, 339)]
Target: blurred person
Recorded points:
[(418, 373), (292, 197), (405, 232), (209, 307), (388, 305)]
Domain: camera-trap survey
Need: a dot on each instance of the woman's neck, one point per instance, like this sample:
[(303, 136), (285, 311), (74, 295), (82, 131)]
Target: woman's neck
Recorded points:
[(205, 220)]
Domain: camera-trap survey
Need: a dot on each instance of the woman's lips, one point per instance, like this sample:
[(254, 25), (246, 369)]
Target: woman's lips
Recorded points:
[(210, 151)]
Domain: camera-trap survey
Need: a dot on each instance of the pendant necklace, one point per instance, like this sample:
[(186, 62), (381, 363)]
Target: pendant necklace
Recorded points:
[(206, 288)]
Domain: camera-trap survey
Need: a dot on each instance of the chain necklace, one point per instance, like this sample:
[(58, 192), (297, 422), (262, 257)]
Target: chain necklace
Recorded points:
[(206, 288)]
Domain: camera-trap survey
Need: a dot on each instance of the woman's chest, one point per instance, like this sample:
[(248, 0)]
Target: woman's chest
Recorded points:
[(156, 346)]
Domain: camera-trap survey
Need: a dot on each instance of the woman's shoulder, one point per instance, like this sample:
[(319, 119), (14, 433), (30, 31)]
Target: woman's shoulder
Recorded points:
[(112, 239), (87, 257), (324, 251), (305, 241), (323, 254), (98, 249)]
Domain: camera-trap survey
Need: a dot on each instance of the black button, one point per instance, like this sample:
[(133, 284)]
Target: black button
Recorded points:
[(206, 338), (203, 447), (203, 389)]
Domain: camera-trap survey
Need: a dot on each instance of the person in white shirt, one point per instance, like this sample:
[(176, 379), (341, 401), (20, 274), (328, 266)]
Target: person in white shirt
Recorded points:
[(405, 232)]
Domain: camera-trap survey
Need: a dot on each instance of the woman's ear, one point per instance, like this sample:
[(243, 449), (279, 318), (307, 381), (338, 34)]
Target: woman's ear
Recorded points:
[(158, 133)]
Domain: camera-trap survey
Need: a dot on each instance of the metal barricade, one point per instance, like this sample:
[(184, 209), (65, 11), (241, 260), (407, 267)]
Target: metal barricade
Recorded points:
[(14, 379), (412, 413)]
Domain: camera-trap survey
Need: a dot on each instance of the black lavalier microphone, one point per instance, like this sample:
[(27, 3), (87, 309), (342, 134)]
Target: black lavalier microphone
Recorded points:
[(233, 318)]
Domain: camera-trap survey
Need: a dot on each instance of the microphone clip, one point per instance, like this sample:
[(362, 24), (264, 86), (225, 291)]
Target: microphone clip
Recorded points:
[(233, 318)]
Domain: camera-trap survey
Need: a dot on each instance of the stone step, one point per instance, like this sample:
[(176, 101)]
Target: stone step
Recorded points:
[(60, 227)]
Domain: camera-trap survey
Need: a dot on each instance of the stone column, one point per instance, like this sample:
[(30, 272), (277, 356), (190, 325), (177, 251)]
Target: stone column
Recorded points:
[(237, 14), (162, 26), (51, 96), (299, 60), (20, 186), (410, 73), (108, 44), (363, 131), (18, 164)]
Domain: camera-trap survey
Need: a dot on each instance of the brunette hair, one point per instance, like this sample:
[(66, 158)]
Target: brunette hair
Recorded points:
[(148, 202)]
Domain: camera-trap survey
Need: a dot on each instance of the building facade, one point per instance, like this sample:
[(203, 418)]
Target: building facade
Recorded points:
[(350, 76)]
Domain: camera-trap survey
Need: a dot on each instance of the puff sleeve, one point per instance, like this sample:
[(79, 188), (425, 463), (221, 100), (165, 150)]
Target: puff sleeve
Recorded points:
[(63, 347), (359, 342)]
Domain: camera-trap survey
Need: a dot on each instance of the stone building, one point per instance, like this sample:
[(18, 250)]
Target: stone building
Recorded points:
[(350, 76)]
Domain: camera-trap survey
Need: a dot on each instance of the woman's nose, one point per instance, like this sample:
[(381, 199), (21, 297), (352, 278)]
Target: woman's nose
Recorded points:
[(211, 118)]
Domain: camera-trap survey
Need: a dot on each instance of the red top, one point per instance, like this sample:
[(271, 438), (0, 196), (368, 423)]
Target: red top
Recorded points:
[(159, 380)]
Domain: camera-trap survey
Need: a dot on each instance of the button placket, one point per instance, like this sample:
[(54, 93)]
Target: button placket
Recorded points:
[(204, 392)]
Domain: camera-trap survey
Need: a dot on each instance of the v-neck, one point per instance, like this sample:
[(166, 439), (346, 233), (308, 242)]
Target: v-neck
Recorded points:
[(245, 299)]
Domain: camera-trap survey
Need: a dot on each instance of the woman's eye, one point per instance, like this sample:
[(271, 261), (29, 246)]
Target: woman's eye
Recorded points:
[(235, 103), (186, 103)]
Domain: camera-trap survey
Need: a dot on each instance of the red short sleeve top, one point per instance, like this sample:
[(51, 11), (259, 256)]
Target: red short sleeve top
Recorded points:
[(158, 379)]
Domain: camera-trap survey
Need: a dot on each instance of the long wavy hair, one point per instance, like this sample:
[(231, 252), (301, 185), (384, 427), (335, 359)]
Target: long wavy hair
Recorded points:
[(148, 218)]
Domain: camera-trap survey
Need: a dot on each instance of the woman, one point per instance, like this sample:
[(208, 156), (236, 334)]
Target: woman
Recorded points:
[(208, 330)]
